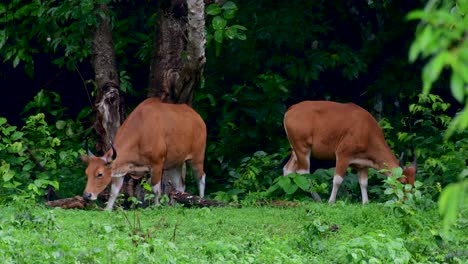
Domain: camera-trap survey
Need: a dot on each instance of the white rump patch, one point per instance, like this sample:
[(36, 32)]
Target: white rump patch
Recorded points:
[(117, 174), (286, 171), (363, 163)]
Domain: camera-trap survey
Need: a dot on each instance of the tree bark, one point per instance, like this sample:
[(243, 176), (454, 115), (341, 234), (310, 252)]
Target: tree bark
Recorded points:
[(109, 104), (76, 202), (176, 69), (190, 200), (179, 54), (179, 57)]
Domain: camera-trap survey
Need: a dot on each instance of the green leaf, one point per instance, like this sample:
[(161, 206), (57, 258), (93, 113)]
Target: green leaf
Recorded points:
[(16, 135), (16, 61), (417, 14), (239, 27), (425, 38), (218, 23), (449, 201), (63, 155), (437, 64), (8, 130), (231, 33), (229, 5), (213, 10), (229, 14), (283, 181), (2, 121), (28, 166), (302, 182), (287, 185), (413, 52), (3, 38), (8, 175), (60, 124), (241, 36), (218, 36), (146, 186), (456, 87), (290, 189)]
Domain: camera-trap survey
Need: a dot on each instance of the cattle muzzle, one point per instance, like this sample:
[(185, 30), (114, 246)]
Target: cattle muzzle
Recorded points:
[(88, 196)]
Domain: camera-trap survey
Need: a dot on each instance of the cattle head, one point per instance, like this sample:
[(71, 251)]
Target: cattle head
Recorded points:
[(409, 172), (98, 173)]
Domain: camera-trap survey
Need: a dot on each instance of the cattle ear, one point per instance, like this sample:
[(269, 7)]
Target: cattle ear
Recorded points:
[(107, 161), (85, 158)]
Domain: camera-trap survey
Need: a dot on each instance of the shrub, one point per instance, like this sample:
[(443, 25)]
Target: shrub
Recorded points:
[(37, 156)]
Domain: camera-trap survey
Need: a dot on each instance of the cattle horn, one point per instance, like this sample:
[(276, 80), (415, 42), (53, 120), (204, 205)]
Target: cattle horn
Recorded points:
[(401, 159), (114, 152), (90, 154)]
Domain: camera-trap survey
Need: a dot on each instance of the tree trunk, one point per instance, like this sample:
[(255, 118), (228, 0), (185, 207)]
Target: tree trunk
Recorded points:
[(179, 51), (176, 69), (179, 54), (109, 105)]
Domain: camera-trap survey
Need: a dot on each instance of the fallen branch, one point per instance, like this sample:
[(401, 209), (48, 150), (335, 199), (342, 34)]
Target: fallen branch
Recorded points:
[(69, 203), (191, 200)]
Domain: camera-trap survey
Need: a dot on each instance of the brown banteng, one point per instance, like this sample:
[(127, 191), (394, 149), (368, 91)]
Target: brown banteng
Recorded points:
[(156, 136), (343, 132)]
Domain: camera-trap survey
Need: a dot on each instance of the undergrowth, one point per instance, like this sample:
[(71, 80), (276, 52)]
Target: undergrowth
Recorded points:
[(296, 233)]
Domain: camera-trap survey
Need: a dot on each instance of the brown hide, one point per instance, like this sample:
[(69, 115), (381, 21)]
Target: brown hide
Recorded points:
[(334, 131), (155, 136)]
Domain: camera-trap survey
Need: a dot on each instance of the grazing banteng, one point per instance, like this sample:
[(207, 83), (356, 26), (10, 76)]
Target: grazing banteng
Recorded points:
[(343, 132), (156, 136)]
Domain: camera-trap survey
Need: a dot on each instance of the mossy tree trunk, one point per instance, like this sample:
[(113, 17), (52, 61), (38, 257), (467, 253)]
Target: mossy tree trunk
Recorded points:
[(179, 51), (109, 106), (179, 54)]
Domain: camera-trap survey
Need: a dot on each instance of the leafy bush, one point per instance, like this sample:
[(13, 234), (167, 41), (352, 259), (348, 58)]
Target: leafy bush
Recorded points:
[(297, 185), (235, 127), (218, 29), (405, 200), (37, 156), (439, 159), (441, 40), (374, 248)]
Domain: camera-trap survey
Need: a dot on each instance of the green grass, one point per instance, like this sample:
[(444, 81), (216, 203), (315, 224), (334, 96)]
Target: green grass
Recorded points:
[(308, 233)]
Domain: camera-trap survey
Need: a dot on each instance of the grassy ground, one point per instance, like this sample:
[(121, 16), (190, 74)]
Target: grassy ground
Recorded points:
[(307, 233)]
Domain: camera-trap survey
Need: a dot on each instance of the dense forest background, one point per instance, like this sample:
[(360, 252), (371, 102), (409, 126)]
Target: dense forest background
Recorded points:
[(344, 51)]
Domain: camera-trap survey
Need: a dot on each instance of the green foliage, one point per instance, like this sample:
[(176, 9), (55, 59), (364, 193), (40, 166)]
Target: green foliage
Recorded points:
[(60, 27), (374, 248), (441, 38), (255, 173), (439, 160), (234, 129), (405, 200), (39, 155), (218, 29), (297, 185), (453, 199), (307, 233)]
